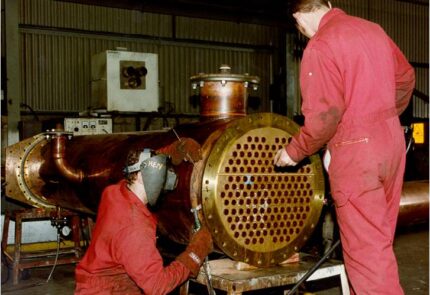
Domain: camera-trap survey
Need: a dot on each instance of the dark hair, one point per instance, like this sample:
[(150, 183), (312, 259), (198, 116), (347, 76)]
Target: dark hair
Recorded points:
[(309, 5), (132, 158)]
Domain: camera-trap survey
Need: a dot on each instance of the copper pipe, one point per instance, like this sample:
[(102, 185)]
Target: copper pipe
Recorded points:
[(58, 145), (414, 203)]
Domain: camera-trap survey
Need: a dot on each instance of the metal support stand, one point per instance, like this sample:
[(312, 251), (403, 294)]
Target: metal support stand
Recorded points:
[(314, 268), (20, 260), (228, 278)]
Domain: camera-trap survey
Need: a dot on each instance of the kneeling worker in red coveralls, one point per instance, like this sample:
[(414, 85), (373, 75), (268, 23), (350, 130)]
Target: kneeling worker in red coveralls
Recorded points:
[(122, 257), (355, 82)]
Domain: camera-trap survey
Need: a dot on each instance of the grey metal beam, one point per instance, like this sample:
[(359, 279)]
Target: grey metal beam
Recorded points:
[(13, 95), (293, 97)]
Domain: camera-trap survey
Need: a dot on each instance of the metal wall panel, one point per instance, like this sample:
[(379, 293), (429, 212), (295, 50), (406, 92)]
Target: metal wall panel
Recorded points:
[(222, 31), (59, 38), (59, 14), (56, 63), (354, 7), (56, 68), (420, 107), (405, 23), (3, 35)]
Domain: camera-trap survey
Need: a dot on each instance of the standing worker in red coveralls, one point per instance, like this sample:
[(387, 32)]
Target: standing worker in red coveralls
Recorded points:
[(122, 257), (355, 82)]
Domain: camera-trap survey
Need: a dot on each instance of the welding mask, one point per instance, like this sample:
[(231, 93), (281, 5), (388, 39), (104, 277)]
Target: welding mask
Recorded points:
[(156, 172)]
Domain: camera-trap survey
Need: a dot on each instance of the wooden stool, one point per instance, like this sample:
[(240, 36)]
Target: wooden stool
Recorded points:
[(22, 260)]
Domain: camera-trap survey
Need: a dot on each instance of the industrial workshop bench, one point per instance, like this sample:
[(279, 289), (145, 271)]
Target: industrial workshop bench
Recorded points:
[(227, 278)]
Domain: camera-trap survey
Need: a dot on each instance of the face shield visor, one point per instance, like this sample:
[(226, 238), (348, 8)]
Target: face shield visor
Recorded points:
[(157, 174)]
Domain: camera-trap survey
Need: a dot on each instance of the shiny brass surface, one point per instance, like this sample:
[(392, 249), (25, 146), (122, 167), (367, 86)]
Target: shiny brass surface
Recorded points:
[(23, 163), (258, 215)]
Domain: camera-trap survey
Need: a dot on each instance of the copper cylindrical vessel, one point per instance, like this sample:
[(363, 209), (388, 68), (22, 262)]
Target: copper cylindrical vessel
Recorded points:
[(223, 94), (256, 214)]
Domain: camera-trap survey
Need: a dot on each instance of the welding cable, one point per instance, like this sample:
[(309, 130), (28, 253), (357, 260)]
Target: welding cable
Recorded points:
[(408, 130), (409, 144), (206, 266), (313, 268), (56, 257)]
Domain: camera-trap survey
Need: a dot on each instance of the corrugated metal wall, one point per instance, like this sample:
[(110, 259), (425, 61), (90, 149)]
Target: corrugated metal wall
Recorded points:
[(407, 24), (64, 15), (59, 38)]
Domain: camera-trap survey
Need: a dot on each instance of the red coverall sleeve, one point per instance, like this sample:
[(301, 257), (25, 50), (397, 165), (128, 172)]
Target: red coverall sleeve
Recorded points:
[(323, 104), (405, 79), (135, 248)]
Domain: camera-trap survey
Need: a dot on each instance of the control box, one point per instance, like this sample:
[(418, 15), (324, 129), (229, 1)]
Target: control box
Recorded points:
[(88, 126), (125, 81)]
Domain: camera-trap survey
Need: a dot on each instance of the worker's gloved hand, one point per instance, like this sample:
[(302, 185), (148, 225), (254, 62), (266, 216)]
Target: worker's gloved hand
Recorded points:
[(200, 246), (282, 159)]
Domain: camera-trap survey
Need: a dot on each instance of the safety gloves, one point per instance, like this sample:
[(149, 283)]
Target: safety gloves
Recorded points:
[(194, 255)]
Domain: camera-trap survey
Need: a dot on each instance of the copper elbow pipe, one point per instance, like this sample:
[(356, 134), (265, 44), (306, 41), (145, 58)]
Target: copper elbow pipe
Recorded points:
[(58, 145)]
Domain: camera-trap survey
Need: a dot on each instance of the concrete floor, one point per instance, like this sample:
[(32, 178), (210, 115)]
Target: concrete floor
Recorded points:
[(411, 246)]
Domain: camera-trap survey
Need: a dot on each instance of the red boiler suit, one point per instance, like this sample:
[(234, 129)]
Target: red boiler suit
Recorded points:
[(122, 257), (355, 82)]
